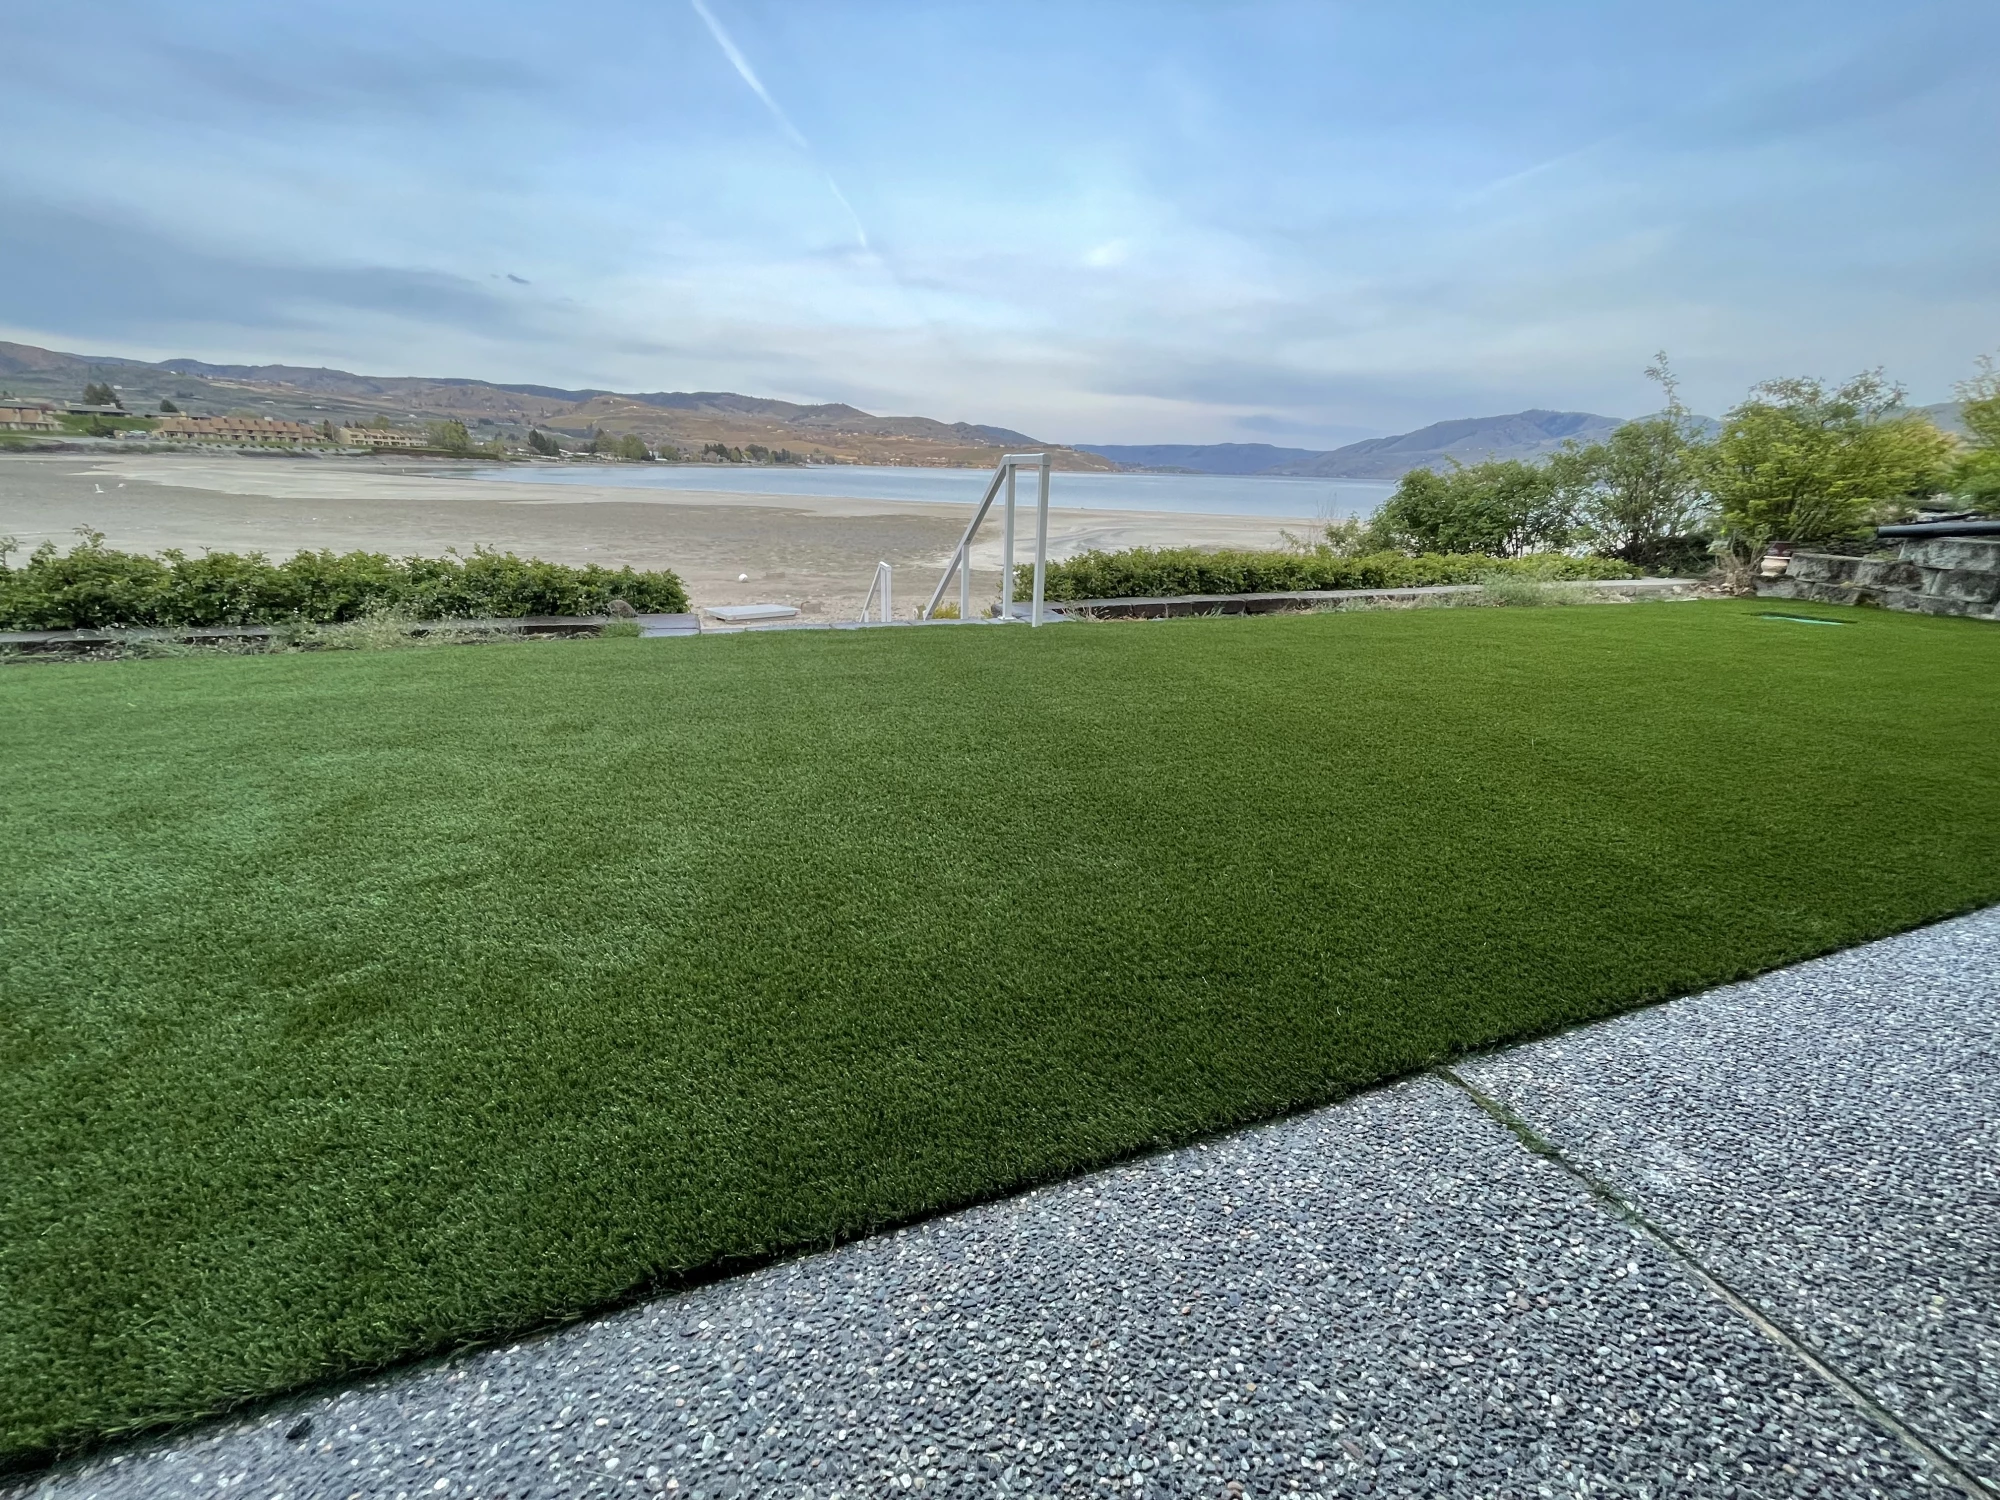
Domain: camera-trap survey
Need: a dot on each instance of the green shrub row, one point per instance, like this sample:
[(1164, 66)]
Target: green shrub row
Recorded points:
[(1149, 572), (95, 587)]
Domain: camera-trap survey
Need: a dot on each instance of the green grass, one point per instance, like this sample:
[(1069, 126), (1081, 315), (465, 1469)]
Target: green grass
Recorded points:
[(358, 1005)]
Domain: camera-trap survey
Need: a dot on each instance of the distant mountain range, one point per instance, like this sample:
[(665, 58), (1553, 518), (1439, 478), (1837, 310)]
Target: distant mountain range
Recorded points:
[(832, 432), (1469, 440), (1202, 458), (1521, 434), (1947, 415)]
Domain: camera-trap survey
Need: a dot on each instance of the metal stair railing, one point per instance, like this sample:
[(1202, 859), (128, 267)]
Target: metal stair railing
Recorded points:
[(960, 564), (879, 586)]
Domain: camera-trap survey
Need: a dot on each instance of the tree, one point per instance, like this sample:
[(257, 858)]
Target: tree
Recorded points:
[(540, 442), (326, 432), (1975, 476), (97, 393), (1638, 496), (1808, 464), (1501, 508), (449, 436), (632, 448), (167, 408)]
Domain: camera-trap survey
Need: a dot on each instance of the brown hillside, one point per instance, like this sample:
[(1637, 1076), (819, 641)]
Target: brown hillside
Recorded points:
[(830, 432), (859, 439)]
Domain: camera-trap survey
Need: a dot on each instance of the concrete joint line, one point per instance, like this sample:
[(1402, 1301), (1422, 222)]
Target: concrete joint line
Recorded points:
[(1784, 1338)]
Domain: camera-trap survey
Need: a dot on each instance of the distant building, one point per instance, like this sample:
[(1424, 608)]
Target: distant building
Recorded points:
[(27, 416), (382, 437), (235, 430)]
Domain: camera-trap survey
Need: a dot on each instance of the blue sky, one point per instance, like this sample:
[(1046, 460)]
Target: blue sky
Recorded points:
[(1298, 223)]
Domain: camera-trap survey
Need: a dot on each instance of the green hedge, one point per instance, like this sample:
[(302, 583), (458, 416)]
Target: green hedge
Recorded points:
[(95, 587), (1151, 573)]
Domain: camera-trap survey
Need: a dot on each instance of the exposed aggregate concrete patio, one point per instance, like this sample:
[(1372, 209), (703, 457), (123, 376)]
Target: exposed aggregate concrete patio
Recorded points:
[(1408, 1293)]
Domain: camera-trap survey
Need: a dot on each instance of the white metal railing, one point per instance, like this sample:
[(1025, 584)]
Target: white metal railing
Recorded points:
[(879, 586), (961, 559)]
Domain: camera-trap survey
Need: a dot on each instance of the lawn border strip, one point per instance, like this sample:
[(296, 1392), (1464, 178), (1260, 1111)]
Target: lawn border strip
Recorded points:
[(1536, 1144)]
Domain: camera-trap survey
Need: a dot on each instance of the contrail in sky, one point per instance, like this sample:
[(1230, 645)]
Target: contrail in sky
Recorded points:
[(792, 132)]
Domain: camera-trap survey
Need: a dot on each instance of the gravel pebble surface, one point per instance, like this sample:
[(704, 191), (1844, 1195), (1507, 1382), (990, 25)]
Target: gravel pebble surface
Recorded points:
[(1826, 1139), (1388, 1297)]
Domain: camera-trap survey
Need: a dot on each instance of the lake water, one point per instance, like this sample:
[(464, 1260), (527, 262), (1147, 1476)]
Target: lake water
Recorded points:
[(1187, 494)]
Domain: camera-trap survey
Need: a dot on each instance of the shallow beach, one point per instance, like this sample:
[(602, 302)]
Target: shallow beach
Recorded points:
[(817, 552)]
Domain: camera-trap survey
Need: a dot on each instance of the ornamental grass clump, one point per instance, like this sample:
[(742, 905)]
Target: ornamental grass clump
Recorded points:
[(1526, 591), (385, 630)]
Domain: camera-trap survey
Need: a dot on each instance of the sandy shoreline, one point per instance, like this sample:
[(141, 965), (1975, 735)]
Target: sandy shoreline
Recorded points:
[(816, 552)]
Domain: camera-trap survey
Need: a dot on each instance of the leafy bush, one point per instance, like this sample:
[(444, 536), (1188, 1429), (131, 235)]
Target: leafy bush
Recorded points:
[(1149, 572), (1639, 495), (1809, 464), (1976, 474), (96, 587), (1503, 508)]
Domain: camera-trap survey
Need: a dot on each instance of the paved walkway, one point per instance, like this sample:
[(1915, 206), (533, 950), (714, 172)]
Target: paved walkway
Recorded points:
[(1744, 1244)]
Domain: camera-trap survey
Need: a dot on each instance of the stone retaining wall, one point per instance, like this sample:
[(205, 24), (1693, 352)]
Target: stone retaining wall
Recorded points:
[(1936, 576)]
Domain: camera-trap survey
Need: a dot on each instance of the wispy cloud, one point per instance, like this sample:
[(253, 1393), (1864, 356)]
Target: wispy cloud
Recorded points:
[(792, 132), (749, 74), (1501, 185)]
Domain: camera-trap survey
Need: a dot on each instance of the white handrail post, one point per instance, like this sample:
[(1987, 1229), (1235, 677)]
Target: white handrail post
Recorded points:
[(879, 584), (1007, 553), (965, 580), (1041, 543)]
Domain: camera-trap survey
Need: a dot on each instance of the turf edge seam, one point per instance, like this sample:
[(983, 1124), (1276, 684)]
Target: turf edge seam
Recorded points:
[(1537, 1144)]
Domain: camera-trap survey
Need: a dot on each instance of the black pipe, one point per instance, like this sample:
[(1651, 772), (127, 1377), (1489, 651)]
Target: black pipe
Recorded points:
[(1914, 529)]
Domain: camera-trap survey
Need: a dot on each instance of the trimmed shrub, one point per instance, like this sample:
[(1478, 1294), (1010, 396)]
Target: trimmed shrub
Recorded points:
[(1162, 572), (94, 587)]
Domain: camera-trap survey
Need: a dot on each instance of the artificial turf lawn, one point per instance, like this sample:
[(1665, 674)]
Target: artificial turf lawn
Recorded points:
[(359, 1004)]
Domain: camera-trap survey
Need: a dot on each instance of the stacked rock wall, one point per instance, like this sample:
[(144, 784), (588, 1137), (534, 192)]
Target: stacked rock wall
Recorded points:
[(1936, 576)]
